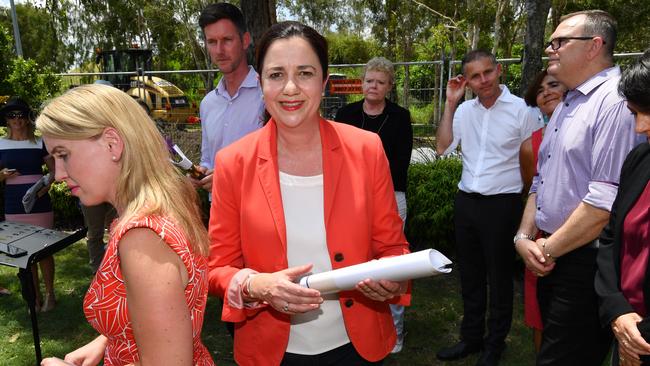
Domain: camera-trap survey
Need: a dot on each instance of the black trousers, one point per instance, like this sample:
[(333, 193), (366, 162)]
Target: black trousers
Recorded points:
[(568, 303), (345, 355), (485, 226)]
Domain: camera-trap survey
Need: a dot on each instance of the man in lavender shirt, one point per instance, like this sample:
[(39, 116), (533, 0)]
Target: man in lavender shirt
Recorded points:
[(580, 159), (235, 108)]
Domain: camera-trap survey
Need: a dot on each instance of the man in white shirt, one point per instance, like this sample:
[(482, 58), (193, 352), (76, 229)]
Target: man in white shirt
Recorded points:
[(490, 129), (235, 107)]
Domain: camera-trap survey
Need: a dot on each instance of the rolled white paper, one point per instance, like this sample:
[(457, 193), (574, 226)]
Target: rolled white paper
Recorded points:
[(420, 264)]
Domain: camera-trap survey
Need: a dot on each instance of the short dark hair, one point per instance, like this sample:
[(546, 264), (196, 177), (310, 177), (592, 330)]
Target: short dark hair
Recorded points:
[(217, 11), (635, 83), (288, 29), (476, 55), (598, 23), (531, 93)]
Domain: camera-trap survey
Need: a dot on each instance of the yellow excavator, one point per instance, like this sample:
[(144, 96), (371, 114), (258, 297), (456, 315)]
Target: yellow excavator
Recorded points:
[(164, 101)]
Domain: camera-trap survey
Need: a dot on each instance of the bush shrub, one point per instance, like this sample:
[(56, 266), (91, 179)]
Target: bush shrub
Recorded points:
[(66, 208), (431, 190)]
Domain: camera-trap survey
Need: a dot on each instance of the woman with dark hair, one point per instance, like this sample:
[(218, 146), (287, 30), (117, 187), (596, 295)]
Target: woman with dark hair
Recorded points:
[(22, 156), (622, 279), (543, 95), (302, 195)]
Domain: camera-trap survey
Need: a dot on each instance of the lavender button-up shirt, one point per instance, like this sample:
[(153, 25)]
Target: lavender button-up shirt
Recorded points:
[(225, 118), (584, 147)]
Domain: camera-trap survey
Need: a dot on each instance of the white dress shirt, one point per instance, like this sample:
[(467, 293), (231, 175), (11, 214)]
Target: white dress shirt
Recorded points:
[(490, 139)]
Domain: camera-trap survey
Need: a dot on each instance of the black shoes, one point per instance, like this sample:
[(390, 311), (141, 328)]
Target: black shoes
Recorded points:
[(489, 357), (459, 350)]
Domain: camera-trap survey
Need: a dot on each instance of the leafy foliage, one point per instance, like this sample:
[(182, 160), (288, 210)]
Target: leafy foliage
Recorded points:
[(65, 206), (41, 34), (32, 82), (345, 48), (431, 191), (24, 77)]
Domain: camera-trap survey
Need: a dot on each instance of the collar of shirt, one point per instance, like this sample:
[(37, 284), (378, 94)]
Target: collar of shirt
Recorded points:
[(595, 81), (504, 97), (251, 81)]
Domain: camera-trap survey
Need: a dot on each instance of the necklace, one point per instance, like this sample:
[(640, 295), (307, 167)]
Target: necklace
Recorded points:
[(363, 121)]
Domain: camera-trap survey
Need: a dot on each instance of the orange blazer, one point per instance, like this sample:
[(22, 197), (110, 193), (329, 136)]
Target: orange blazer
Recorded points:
[(247, 230)]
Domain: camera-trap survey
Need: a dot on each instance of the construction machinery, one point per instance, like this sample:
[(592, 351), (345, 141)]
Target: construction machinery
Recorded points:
[(164, 101)]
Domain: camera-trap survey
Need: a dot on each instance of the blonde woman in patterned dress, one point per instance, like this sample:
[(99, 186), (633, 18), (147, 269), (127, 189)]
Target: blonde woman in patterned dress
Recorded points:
[(107, 149)]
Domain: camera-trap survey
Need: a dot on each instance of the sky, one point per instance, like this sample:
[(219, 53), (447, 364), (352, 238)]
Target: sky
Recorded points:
[(5, 3)]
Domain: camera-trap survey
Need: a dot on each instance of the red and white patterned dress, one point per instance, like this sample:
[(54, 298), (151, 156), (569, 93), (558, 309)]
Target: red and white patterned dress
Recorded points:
[(105, 304)]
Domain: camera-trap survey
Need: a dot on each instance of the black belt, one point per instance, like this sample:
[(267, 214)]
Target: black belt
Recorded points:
[(484, 196)]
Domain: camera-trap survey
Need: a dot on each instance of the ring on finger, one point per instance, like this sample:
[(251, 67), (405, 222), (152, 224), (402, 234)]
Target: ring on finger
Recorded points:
[(285, 308)]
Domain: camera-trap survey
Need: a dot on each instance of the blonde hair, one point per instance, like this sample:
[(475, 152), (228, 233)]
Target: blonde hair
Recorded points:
[(30, 130), (380, 64), (148, 183)]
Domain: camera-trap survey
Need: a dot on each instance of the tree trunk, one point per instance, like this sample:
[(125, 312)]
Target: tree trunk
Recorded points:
[(497, 25), (537, 11), (408, 54), (558, 7), (391, 9), (259, 16), (199, 53)]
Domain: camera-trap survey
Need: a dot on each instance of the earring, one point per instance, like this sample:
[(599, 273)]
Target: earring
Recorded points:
[(114, 158)]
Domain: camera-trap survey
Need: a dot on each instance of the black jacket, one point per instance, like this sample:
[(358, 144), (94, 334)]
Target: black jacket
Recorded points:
[(395, 131), (635, 175)]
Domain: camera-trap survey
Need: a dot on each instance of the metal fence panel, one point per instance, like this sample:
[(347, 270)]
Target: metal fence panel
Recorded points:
[(419, 87)]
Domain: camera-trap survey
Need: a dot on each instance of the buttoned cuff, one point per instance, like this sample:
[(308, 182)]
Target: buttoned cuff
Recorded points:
[(234, 292), (601, 195), (533, 186)]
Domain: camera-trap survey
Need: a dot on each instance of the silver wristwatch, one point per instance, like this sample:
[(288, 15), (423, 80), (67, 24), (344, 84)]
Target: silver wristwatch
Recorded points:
[(522, 236)]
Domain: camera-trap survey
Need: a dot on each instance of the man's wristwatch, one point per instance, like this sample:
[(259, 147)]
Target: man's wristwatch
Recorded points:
[(522, 236)]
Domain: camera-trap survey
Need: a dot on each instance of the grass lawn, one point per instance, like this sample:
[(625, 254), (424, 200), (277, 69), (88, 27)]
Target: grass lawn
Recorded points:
[(432, 321)]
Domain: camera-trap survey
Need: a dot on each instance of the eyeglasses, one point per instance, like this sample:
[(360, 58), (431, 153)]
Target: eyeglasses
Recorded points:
[(11, 115), (557, 43)]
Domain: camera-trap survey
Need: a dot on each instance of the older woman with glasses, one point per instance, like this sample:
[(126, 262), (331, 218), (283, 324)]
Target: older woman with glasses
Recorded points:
[(22, 156)]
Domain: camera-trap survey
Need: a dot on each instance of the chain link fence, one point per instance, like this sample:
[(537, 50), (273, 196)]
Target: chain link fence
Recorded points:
[(172, 97)]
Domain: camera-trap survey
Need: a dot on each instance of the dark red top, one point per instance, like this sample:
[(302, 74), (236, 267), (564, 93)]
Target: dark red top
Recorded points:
[(536, 140), (635, 251)]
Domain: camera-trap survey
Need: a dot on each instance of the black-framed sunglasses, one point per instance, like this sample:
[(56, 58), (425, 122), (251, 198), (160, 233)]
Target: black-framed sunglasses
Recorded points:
[(557, 43), (12, 115)]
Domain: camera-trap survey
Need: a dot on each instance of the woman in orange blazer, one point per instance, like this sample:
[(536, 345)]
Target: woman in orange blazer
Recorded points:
[(303, 195)]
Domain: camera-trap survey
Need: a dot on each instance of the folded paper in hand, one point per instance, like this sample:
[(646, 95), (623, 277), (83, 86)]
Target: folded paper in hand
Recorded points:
[(30, 197), (420, 264)]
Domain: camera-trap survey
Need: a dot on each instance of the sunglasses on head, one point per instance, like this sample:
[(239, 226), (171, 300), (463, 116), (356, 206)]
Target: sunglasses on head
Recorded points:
[(11, 115)]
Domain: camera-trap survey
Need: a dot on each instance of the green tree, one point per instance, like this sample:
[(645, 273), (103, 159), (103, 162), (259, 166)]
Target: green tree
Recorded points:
[(632, 17), (345, 48), (6, 56), (41, 31), (32, 82), (23, 77)]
